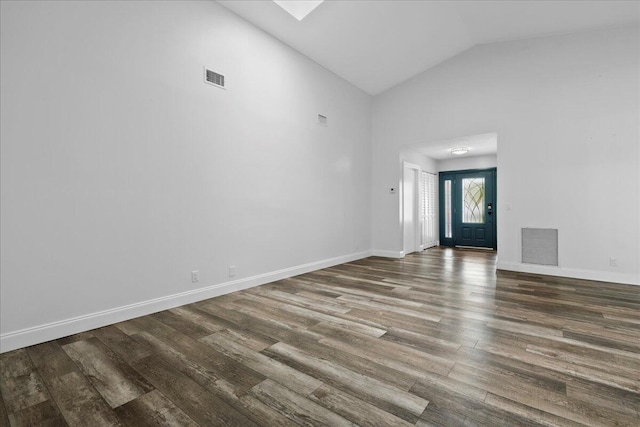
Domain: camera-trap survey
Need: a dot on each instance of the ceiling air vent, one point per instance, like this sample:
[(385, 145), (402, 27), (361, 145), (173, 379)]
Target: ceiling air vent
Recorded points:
[(213, 78), (322, 120)]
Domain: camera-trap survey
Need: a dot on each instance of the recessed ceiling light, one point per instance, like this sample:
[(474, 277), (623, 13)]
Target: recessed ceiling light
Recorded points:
[(460, 150), (300, 8)]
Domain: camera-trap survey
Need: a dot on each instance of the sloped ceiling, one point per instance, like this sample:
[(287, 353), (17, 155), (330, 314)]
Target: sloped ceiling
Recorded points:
[(377, 44)]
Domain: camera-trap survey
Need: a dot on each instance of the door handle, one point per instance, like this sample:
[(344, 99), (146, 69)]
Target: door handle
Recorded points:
[(489, 208)]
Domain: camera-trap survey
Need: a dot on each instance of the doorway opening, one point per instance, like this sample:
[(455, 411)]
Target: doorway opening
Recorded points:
[(468, 208), (410, 196)]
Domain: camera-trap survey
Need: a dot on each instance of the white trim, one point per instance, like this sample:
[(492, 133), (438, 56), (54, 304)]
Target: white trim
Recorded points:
[(42, 333), (388, 254), (600, 276), (411, 165)]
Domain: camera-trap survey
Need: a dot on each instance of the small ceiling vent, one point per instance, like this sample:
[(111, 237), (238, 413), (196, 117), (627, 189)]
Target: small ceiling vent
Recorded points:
[(213, 78), (322, 120)]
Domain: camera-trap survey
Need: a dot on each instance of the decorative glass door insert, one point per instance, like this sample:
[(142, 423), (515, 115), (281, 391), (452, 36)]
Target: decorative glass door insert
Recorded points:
[(473, 195)]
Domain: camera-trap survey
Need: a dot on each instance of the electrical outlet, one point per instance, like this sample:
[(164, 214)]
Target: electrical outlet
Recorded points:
[(232, 270), (613, 262), (195, 276)]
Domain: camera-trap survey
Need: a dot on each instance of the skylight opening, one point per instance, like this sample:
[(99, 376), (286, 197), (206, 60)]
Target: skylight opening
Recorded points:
[(298, 8)]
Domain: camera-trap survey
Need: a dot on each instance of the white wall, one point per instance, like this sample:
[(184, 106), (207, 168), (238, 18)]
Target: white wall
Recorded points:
[(406, 154), (426, 163), (462, 163), (566, 111), (122, 171)]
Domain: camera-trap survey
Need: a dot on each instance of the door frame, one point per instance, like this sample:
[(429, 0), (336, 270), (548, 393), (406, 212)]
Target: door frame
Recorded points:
[(418, 246), (442, 177)]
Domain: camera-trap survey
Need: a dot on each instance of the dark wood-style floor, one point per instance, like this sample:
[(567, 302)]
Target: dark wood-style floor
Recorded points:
[(437, 338)]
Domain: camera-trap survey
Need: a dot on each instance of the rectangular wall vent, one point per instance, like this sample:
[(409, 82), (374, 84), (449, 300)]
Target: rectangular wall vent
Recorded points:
[(213, 78), (322, 120), (540, 246)]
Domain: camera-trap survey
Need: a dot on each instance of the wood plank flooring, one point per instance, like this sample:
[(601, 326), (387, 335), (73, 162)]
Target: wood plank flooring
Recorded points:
[(435, 339)]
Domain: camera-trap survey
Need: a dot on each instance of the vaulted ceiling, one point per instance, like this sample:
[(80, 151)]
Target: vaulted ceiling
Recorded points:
[(377, 44)]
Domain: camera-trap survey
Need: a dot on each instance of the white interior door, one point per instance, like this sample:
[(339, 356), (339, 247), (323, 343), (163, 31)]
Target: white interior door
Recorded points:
[(410, 209)]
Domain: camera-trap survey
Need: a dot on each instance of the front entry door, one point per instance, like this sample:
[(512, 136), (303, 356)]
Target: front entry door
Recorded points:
[(468, 208)]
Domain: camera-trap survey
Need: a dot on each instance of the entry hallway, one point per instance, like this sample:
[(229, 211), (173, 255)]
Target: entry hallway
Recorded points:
[(436, 338)]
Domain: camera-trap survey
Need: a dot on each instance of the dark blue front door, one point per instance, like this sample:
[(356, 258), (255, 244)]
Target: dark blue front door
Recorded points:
[(467, 208)]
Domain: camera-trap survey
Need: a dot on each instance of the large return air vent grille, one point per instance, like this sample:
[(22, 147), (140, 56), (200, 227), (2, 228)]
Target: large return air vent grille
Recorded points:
[(540, 246), (213, 78)]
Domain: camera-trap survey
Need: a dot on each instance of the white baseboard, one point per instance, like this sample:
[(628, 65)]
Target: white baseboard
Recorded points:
[(388, 254), (42, 333), (600, 276)]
